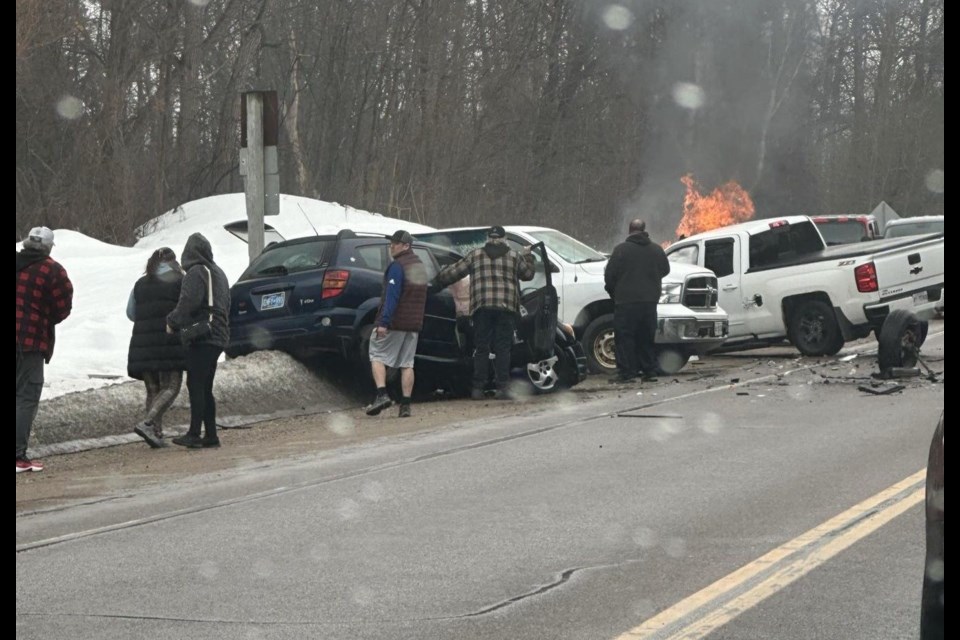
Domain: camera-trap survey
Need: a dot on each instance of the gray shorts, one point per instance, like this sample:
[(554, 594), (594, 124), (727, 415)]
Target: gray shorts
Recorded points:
[(396, 349)]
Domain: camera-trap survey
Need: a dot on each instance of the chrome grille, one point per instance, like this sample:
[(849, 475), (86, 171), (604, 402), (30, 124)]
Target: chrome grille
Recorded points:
[(700, 292)]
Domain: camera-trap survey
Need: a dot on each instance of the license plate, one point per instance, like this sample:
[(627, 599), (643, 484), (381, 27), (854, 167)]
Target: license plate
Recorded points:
[(273, 301), (920, 298), (718, 329)]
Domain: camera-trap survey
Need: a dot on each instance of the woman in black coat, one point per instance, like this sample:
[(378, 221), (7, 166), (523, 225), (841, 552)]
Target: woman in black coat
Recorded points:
[(205, 296), (155, 356)]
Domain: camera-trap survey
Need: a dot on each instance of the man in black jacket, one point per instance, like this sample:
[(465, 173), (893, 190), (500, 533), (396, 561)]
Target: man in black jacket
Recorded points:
[(633, 279)]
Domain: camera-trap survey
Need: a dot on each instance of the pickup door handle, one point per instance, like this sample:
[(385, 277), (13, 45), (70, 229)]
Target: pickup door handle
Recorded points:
[(730, 287)]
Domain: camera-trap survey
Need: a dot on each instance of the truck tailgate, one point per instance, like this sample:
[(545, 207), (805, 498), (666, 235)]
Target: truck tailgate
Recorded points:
[(910, 269)]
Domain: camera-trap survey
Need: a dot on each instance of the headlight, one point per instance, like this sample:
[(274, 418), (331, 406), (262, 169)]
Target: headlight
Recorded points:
[(670, 293)]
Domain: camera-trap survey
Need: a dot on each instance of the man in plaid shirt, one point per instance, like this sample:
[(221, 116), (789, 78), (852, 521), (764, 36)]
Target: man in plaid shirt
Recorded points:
[(495, 271), (44, 299)]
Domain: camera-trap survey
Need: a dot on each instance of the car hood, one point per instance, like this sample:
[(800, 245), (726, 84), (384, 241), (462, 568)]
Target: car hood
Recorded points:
[(680, 270), (594, 268)]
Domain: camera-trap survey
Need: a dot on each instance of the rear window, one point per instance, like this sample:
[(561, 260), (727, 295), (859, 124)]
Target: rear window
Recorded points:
[(281, 260), (783, 243), (365, 256), (843, 232)]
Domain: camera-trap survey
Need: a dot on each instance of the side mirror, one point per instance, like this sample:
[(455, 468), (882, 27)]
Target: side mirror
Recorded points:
[(554, 268)]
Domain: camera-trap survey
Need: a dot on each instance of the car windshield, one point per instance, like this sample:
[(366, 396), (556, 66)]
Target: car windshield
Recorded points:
[(914, 229), (687, 255), (570, 249)]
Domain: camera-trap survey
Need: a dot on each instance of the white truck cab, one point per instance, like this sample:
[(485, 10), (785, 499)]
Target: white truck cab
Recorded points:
[(690, 322)]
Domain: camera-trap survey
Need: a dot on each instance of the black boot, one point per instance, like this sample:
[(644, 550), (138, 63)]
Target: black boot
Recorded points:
[(381, 402)]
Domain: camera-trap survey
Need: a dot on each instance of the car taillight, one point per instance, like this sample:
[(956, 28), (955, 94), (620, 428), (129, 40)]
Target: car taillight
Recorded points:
[(334, 282), (866, 275)]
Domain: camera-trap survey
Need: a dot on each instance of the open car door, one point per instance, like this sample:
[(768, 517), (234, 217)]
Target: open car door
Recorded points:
[(538, 312)]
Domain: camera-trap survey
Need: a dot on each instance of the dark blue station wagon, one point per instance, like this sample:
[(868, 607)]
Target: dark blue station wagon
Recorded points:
[(320, 294)]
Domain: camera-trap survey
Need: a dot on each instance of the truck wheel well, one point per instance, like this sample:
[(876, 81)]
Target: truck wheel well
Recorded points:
[(593, 310), (812, 325), (791, 303)]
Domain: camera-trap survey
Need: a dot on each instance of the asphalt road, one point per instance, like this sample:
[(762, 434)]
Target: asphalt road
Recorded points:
[(775, 500)]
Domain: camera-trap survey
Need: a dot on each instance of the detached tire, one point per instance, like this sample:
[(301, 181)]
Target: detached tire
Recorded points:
[(901, 335), (598, 344), (814, 330)]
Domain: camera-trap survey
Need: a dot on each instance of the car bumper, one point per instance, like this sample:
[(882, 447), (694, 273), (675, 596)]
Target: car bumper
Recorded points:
[(326, 332), (696, 334), (923, 303)]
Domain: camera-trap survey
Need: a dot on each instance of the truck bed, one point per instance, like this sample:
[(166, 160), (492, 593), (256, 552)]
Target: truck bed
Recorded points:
[(847, 251)]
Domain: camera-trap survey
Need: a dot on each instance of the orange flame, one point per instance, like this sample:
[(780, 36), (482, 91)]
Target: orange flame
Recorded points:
[(728, 204)]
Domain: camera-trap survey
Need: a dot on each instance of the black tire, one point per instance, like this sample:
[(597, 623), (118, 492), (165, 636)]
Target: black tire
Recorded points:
[(567, 370), (901, 335), (671, 360), (814, 330), (362, 361), (598, 345)]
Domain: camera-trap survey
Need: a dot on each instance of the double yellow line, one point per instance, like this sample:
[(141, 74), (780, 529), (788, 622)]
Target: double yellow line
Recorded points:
[(728, 597)]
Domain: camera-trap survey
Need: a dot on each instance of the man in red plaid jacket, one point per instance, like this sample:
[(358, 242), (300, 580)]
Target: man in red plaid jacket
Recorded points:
[(44, 299), (494, 271)]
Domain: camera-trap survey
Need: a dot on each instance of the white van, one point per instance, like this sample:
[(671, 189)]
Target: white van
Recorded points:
[(915, 226)]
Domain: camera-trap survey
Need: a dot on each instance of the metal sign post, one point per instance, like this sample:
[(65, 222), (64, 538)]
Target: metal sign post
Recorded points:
[(259, 163)]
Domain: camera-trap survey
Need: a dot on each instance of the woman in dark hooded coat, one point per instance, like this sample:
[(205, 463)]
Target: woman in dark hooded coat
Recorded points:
[(203, 278), (155, 356)]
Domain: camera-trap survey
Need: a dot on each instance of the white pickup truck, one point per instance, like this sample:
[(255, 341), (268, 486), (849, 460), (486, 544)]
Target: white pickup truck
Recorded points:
[(779, 281), (689, 320)]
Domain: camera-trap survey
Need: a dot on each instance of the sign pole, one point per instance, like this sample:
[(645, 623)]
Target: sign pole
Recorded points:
[(254, 173)]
